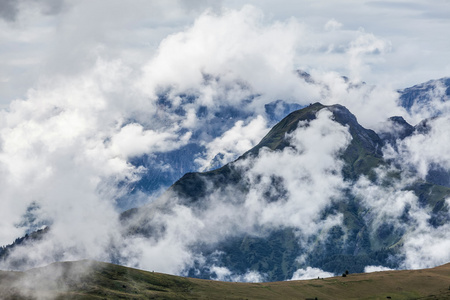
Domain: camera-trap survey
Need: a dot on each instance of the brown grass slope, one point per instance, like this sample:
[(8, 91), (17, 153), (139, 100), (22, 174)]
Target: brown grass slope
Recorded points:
[(95, 280)]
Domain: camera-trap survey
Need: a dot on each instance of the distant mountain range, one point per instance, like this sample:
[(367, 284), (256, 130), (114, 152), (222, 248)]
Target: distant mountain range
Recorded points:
[(426, 95)]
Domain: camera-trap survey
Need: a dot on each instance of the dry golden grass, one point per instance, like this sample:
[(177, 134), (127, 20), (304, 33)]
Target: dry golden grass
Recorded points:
[(416, 284), (107, 281)]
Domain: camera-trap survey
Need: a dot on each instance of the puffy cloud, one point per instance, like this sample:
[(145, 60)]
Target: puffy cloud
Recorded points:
[(310, 273), (361, 99), (365, 45), (425, 246), (65, 150), (332, 24), (132, 32), (308, 172), (236, 141), (220, 57), (132, 140), (417, 155), (392, 203), (48, 39), (72, 137), (371, 269), (224, 274), (424, 150), (387, 202)]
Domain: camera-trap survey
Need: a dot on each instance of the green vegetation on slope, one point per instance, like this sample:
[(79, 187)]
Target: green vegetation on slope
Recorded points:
[(275, 139)]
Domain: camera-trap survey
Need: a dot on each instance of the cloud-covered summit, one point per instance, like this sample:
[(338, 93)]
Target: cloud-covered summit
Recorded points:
[(105, 113), (317, 189)]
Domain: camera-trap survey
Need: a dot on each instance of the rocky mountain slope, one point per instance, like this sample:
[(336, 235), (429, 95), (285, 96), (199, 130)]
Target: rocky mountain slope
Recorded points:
[(350, 227), (429, 98)]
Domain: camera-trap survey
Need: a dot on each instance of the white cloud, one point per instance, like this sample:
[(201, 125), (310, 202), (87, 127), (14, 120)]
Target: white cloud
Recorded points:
[(309, 171), (132, 33), (423, 245), (67, 146), (132, 140), (363, 100), (224, 274), (423, 150), (310, 273), (227, 49), (365, 50), (65, 149), (426, 246), (387, 202), (332, 25), (236, 141), (371, 269)]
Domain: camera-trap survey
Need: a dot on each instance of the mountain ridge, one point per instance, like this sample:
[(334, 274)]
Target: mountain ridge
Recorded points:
[(351, 246)]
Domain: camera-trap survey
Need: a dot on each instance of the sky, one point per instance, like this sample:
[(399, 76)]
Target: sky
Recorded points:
[(397, 42), (80, 87)]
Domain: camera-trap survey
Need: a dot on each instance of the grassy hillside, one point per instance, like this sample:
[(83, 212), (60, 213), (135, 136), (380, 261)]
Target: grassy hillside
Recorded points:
[(95, 280)]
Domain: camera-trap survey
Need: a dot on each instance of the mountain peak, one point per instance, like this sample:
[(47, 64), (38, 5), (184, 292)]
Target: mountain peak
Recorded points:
[(363, 153), (421, 95), (396, 128)]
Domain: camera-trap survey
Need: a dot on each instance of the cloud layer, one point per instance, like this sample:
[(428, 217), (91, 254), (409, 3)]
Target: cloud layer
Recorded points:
[(110, 91)]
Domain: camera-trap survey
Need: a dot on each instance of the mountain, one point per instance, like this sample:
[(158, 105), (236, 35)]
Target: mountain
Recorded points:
[(165, 168), (402, 130), (96, 280), (317, 191), (262, 225), (361, 156), (424, 94)]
